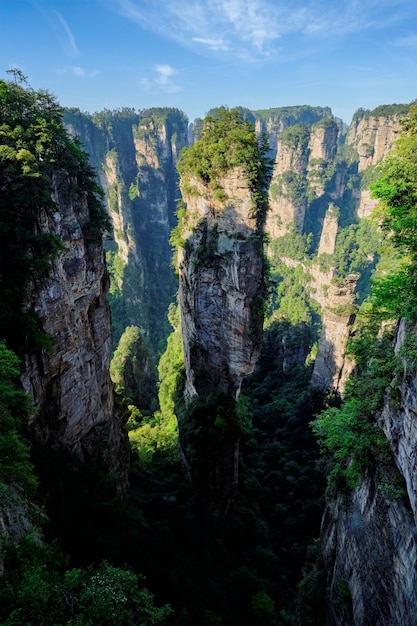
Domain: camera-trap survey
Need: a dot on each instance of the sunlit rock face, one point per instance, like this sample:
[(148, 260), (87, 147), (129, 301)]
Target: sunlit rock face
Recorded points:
[(70, 383), (332, 366), (135, 156), (299, 173), (221, 276), (220, 281), (373, 137)]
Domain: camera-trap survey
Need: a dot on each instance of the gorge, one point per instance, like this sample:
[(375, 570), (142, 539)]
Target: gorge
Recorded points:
[(222, 514)]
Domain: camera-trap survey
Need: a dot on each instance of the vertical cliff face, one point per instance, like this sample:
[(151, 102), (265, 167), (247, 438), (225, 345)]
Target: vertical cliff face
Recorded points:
[(370, 556), (220, 283), (70, 383), (398, 419), (221, 287), (369, 538), (158, 139), (301, 172), (320, 185), (372, 135), (275, 121), (135, 155), (221, 293), (332, 366)]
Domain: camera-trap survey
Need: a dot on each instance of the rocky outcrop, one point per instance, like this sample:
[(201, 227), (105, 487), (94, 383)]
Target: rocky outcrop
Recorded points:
[(70, 384), (221, 290), (275, 121), (369, 536), (220, 281), (398, 419), (135, 155), (372, 136), (332, 367), (370, 556), (328, 236), (304, 165)]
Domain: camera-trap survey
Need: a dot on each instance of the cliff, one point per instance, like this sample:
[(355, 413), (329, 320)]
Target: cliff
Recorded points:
[(369, 538), (221, 292), (303, 166), (370, 554), (320, 187), (135, 156), (220, 279), (70, 383), (54, 312), (332, 366)]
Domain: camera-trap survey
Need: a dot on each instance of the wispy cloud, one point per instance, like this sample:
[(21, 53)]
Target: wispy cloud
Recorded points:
[(212, 44), (218, 26), (68, 42), (162, 80), (252, 28), (77, 70)]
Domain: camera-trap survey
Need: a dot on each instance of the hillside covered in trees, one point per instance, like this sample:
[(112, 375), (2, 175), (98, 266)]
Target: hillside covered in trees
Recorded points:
[(169, 460)]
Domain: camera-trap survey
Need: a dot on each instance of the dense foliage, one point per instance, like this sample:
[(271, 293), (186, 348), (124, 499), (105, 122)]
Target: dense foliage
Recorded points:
[(350, 432), (396, 189), (15, 408), (227, 141), (89, 568), (34, 146)]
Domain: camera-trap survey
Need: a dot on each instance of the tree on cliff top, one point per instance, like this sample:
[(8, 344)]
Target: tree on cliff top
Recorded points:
[(33, 146), (227, 141)]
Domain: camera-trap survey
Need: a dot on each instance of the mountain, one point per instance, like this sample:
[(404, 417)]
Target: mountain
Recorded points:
[(219, 496)]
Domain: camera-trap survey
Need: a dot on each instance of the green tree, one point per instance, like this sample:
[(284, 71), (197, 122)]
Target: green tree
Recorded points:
[(129, 368), (396, 189), (15, 408), (226, 141), (34, 146)]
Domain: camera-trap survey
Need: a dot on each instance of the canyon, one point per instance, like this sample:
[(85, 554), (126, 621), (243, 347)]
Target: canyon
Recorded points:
[(320, 255)]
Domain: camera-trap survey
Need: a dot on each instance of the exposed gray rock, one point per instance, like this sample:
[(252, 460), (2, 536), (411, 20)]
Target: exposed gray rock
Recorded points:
[(70, 384)]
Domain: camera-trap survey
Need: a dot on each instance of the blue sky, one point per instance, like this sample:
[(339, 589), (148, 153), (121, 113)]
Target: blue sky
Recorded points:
[(195, 55)]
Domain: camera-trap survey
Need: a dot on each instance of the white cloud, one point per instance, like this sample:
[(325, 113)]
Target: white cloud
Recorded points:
[(251, 28), (77, 70), (212, 44), (61, 28), (162, 80)]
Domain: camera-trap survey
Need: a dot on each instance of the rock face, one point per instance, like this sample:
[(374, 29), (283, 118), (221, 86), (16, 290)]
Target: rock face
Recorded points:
[(221, 270), (319, 184), (398, 420), (70, 384), (135, 155), (332, 367), (370, 556), (372, 136), (220, 282), (302, 160), (369, 538)]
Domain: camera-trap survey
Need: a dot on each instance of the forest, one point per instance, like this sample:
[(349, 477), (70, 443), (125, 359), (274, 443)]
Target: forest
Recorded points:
[(92, 552)]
